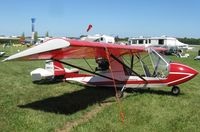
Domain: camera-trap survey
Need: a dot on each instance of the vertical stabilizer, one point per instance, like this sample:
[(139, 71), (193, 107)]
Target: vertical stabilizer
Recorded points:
[(55, 67)]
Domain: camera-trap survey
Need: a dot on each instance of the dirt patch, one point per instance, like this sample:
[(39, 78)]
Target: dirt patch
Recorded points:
[(85, 118)]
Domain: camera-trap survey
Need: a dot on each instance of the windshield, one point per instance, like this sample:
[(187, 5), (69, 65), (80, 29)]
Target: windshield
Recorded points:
[(160, 64)]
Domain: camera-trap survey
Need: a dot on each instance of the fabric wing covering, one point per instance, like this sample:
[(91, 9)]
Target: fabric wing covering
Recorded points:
[(59, 48)]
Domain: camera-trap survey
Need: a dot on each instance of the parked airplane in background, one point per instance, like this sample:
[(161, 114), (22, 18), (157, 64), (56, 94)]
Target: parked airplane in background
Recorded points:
[(119, 66), (198, 56), (2, 53)]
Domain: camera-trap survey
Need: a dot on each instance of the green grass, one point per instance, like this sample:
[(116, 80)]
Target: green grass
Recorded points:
[(25, 106)]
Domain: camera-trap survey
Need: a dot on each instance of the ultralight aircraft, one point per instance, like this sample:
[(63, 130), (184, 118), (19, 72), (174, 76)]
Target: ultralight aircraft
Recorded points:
[(116, 65)]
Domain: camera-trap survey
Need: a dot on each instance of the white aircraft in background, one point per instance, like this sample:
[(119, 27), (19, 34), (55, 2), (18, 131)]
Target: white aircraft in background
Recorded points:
[(2, 54)]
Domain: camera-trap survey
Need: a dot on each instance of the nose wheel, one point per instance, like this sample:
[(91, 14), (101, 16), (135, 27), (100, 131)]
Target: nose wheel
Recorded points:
[(175, 90)]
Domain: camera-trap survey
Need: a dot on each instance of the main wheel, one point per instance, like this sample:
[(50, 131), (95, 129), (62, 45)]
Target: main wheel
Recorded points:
[(175, 90), (119, 94)]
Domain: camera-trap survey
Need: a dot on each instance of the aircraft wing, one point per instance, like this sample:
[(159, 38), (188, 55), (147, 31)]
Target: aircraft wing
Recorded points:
[(59, 48)]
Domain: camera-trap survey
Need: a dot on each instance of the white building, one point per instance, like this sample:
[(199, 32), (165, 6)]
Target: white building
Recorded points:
[(163, 41), (99, 38)]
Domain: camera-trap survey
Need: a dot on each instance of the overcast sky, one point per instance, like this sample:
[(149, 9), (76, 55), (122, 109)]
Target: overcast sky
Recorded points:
[(125, 18)]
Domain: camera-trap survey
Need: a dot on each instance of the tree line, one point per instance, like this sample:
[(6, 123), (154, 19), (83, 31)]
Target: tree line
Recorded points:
[(6, 41), (191, 41)]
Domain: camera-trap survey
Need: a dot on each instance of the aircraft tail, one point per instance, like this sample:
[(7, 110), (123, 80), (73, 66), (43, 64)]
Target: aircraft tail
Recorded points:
[(55, 67)]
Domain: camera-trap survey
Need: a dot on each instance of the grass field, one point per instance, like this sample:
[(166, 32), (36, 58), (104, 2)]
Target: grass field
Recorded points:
[(25, 106)]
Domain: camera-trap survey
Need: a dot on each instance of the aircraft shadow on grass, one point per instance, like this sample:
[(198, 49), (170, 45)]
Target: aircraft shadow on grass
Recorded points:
[(70, 103)]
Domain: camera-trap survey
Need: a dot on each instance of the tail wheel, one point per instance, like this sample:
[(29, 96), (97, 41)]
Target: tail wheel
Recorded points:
[(175, 90)]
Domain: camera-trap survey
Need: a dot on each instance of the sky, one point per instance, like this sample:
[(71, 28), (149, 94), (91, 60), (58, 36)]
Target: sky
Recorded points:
[(123, 18)]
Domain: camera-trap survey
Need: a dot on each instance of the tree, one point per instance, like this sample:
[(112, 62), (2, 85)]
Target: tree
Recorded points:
[(47, 34), (23, 35), (22, 38), (35, 36)]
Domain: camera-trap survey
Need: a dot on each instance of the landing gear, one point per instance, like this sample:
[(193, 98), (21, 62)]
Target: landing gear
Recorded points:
[(120, 93), (175, 90)]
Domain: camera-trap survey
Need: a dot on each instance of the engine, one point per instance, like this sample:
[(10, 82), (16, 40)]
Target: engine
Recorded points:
[(103, 64)]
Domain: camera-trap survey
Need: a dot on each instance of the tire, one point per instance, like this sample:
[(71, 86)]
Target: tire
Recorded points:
[(175, 90), (119, 94)]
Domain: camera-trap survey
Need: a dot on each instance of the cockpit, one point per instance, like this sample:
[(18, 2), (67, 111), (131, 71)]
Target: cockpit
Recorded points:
[(160, 64), (152, 64)]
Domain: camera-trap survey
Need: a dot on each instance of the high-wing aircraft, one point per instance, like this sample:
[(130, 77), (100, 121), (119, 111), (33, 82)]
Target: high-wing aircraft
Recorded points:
[(121, 66)]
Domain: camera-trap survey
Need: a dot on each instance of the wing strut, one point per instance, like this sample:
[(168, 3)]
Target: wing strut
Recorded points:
[(115, 87), (88, 64), (128, 68), (65, 63), (132, 59)]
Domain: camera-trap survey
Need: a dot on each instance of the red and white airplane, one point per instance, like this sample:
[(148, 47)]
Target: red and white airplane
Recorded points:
[(113, 68)]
